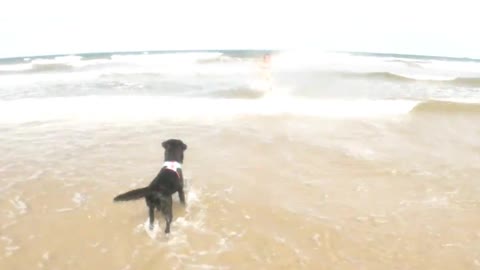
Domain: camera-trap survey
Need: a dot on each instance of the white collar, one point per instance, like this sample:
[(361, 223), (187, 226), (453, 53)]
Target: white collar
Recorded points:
[(172, 165)]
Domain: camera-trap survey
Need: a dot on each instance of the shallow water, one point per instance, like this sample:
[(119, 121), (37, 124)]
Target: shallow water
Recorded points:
[(263, 192), (330, 162)]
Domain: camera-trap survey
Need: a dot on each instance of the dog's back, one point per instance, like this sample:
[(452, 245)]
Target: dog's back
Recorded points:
[(166, 182)]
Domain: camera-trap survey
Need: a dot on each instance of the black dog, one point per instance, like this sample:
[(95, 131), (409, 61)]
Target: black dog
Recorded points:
[(168, 181)]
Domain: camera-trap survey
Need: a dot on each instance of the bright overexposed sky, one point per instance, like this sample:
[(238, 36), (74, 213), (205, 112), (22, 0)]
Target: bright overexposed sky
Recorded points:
[(442, 27)]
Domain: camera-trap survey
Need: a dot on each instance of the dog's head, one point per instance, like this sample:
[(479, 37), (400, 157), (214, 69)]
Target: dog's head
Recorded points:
[(174, 150)]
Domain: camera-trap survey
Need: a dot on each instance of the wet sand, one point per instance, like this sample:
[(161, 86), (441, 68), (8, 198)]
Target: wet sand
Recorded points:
[(263, 193)]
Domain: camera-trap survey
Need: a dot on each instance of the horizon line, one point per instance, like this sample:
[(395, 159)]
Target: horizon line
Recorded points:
[(366, 53)]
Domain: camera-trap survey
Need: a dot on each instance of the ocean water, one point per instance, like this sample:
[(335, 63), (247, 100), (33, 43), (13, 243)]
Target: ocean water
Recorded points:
[(310, 160)]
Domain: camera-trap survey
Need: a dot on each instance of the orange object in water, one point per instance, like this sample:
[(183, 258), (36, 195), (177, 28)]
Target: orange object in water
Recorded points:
[(266, 58)]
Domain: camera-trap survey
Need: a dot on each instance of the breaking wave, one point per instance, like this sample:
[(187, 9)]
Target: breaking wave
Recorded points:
[(447, 107)]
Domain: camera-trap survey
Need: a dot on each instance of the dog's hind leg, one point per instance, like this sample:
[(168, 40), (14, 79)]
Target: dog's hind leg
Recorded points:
[(151, 214), (166, 209), (151, 210)]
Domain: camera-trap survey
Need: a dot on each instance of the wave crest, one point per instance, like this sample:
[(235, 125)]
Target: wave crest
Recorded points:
[(447, 107)]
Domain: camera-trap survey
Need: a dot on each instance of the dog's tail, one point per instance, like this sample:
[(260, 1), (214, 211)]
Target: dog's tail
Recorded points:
[(133, 194)]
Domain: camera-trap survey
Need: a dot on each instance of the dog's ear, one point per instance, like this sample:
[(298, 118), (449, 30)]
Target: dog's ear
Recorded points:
[(184, 146), (166, 144)]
